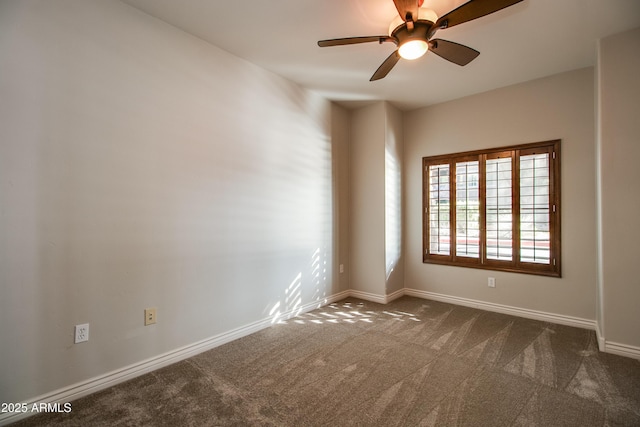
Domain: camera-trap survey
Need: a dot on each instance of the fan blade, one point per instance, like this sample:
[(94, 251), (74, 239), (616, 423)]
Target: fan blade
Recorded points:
[(353, 40), (386, 66), (471, 10), (454, 52), (407, 9)]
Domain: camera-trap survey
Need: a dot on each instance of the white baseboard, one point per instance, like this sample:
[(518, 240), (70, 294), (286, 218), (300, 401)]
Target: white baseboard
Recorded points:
[(395, 295), (625, 350), (367, 296), (498, 308), (380, 299), (101, 382), (622, 349), (505, 309)]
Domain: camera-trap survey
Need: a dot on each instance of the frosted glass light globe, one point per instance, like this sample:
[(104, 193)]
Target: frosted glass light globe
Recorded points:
[(413, 49)]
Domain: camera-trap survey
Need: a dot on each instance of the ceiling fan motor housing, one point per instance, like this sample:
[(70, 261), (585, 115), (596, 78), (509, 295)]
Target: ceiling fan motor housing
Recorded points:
[(420, 31)]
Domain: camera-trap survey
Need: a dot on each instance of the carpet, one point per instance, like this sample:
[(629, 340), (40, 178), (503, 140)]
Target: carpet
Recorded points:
[(412, 362)]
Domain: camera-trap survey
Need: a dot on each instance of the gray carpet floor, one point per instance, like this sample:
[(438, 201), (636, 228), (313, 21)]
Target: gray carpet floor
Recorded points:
[(412, 362)]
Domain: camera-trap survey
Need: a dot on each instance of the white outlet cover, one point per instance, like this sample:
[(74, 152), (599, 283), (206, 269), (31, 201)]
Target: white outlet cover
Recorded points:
[(82, 333)]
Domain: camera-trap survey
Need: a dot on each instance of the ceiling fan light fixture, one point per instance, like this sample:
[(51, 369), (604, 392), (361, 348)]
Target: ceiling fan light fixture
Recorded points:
[(413, 49), (413, 29)]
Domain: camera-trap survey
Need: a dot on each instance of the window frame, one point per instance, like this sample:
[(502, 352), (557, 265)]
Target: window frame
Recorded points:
[(553, 268)]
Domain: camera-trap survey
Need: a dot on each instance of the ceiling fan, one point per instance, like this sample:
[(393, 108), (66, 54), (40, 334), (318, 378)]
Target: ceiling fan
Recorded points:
[(413, 29)]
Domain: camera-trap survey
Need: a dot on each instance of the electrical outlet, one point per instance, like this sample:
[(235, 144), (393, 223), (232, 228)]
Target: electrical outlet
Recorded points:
[(82, 333), (341, 268), (492, 282), (149, 316)]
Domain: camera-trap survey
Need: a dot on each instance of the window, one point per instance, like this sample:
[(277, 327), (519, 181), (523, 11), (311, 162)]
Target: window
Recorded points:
[(497, 209)]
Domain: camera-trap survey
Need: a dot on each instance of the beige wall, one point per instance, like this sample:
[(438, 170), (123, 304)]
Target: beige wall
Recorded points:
[(393, 202), (367, 252), (618, 154), (376, 200), (142, 167), (340, 154), (557, 107)]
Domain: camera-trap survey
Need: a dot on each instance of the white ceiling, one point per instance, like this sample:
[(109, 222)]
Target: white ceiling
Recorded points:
[(532, 39)]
